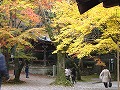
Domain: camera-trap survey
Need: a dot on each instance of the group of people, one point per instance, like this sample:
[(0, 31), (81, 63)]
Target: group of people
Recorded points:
[(71, 74), (105, 75)]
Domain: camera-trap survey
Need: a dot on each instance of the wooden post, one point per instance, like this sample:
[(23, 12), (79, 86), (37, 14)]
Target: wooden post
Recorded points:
[(44, 52), (118, 71)]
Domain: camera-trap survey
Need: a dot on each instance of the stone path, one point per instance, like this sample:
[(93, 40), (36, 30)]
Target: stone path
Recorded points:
[(36, 82)]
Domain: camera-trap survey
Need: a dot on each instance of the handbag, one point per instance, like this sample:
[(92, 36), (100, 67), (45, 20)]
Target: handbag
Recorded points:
[(110, 84)]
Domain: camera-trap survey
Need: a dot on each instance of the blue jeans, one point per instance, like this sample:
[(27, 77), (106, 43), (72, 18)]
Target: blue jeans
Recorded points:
[(27, 74)]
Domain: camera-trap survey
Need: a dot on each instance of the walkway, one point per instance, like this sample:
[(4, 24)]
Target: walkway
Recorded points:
[(36, 82)]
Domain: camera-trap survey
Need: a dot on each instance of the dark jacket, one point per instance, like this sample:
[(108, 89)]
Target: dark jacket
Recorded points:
[(73, 73), (3, 68), (27, 69)]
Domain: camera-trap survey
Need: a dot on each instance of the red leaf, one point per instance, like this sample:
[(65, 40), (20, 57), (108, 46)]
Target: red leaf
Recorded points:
[(31, 15)]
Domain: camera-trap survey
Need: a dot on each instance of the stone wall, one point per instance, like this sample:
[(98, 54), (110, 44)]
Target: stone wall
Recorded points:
[(43, 70)]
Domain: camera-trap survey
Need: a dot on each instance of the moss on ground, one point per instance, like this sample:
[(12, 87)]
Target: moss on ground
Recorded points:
[(89, 77)]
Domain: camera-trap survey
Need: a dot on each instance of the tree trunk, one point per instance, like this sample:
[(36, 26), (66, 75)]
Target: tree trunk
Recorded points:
[(61, 79), (78, 74), (79, 70), (115, 69), (18, 65), (18, 69)]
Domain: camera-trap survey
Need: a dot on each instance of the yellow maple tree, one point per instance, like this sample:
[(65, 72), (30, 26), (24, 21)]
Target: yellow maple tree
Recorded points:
[(74, 28)]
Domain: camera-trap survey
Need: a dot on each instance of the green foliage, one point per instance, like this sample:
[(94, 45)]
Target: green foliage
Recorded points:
[(20, 54), (89, 77), (63, 82)]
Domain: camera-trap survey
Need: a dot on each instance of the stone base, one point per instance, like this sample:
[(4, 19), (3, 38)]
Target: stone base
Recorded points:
[(43, 70)]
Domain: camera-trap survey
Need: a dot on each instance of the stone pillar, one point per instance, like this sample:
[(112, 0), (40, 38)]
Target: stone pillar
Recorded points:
[(54, 70)]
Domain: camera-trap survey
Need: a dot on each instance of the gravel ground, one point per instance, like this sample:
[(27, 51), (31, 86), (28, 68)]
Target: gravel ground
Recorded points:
[(35, 82)]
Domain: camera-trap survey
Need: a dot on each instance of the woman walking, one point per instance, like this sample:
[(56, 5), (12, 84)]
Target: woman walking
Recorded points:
[(105, 76)]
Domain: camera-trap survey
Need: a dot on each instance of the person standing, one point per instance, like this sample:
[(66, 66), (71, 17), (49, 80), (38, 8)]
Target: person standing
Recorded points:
[(105, 76), (27, 71), (73, 75), (3, 69), (67, 73)]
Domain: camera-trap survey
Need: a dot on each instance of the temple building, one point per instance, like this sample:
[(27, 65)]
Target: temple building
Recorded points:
[(45, 60)]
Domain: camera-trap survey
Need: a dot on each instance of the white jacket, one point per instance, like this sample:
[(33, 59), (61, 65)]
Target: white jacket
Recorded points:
[(105, 75), (67, 72)]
